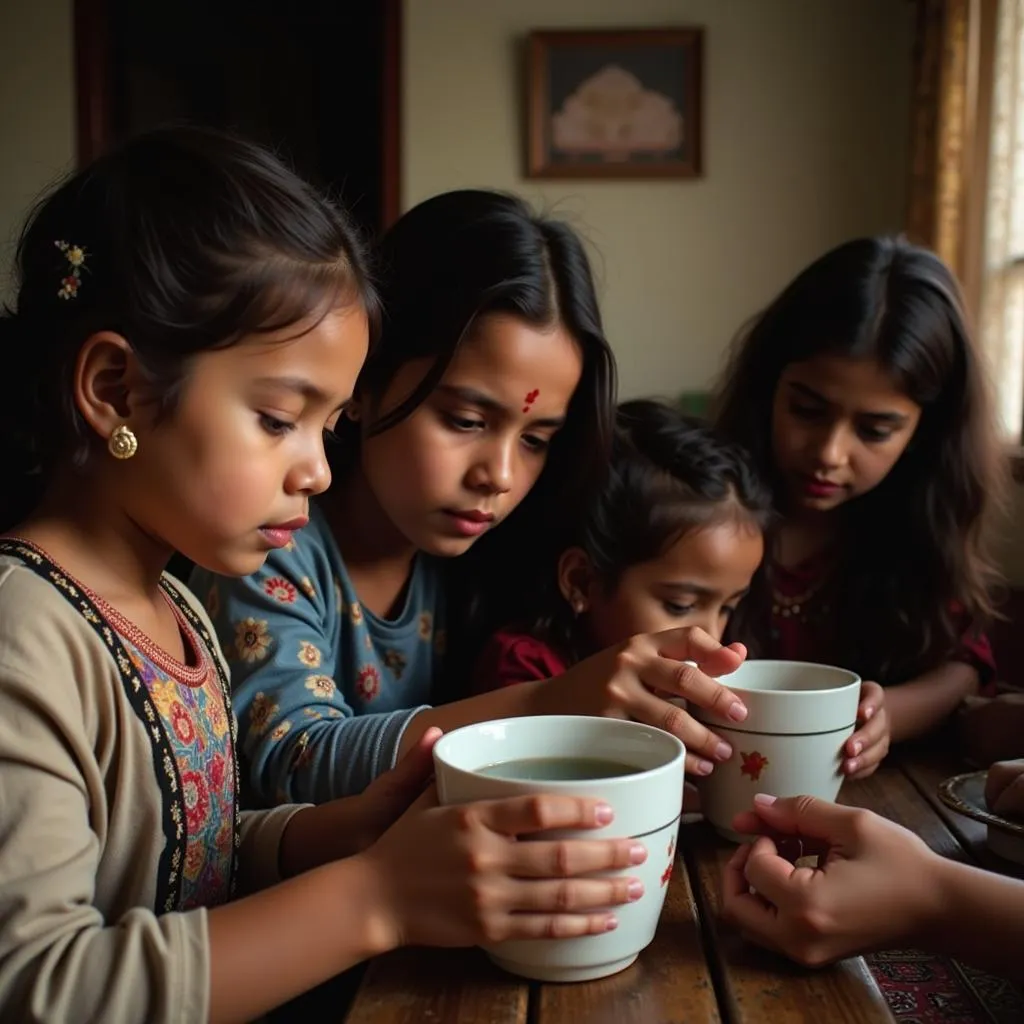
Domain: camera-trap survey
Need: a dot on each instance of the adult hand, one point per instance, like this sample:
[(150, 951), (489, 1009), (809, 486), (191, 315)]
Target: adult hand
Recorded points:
[(873, 885)]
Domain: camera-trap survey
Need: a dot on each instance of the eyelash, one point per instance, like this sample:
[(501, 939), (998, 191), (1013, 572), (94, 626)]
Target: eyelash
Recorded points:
[(870, 434), (678, 609), (465, 425), (274, 426)]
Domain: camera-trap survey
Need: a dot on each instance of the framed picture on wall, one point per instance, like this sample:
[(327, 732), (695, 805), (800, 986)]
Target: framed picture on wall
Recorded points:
[(614, 103)]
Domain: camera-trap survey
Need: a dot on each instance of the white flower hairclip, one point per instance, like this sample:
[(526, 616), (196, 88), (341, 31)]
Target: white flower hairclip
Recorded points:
[(75, 255)]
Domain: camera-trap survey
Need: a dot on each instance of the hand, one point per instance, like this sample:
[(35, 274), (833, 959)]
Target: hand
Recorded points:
[(636, 679), (867, 747), (1004, 788), (992, 728), (457, 876), (874, 884), (390, 795), (349, 825)]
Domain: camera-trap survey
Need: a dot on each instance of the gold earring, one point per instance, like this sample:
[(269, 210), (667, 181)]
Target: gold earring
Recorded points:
[(122, 444)]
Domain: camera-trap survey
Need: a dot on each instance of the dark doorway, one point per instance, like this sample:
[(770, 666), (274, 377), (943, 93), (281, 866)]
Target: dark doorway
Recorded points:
[(317, 80)]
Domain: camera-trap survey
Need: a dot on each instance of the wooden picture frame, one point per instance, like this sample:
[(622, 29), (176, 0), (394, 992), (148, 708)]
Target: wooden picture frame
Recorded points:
[(623, 103)]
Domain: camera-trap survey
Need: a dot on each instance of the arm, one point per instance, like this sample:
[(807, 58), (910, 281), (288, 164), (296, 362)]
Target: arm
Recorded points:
[(632, 680), (876, 886), (301, 737), (918, 706)]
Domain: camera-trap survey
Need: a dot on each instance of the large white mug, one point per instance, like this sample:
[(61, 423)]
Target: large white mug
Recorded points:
[(791, 742), (646, 798)]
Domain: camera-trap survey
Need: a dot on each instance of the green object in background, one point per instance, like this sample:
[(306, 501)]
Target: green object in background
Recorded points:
[(695, 403)]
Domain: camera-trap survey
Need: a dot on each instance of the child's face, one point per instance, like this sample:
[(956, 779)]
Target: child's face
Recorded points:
[(839, 425), (697, 581), (243, 451), (470, 453)]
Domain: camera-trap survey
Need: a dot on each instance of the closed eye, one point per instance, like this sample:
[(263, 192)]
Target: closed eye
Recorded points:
[(274, 426), (875, 434), (806, 412), (535, 443), (675, 608), (463, 423)]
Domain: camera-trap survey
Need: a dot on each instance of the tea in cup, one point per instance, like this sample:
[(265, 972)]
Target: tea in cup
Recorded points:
[(637, 770)]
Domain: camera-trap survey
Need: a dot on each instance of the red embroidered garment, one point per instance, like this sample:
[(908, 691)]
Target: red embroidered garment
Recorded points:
[(808, 631), (512, 657)]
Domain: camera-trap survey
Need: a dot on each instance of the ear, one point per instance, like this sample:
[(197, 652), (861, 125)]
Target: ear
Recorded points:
[(108, 384), (576, 578)]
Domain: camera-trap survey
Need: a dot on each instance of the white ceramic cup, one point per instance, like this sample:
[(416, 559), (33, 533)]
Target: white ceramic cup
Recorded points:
[(791, 743), (647, 806)]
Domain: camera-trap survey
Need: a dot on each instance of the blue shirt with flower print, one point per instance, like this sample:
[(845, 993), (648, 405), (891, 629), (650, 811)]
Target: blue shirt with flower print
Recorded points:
[(323, 689)]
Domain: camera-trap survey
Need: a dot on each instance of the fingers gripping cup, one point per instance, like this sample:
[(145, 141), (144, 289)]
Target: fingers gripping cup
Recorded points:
[(791, 742), (637, 770)]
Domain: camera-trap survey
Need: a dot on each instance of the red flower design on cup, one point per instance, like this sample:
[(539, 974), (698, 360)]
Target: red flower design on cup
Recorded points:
[(753, 764)]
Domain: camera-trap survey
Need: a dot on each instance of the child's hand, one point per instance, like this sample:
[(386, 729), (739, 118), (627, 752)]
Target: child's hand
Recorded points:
[(867, 747), (390, 795), (351, 824), (1004, 788), (457, 876), (873, 887), (637, 679)]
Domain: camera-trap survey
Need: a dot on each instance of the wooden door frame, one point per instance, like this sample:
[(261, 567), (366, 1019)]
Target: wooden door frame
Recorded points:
[(93, 95)]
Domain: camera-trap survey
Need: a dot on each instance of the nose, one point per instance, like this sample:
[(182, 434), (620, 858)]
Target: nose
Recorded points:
[(494, 469), (310, 474), (712, 621), (833, 449)]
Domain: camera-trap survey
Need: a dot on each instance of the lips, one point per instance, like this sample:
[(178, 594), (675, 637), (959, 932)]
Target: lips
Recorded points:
[(291, 526), (470, 523), (819, 488), (473, 515)]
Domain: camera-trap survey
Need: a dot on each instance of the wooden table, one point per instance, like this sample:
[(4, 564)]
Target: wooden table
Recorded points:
[(696, 971)]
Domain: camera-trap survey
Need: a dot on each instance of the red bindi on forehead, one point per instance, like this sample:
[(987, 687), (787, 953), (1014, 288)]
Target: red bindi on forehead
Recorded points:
[(531, 397)]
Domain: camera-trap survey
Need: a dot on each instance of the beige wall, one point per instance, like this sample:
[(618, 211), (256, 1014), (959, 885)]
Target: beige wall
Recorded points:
[(36, 111), (806, 126)]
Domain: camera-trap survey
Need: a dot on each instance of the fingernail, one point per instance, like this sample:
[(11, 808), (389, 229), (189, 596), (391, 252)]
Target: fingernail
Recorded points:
[(851, 765), (868, 713), (857, 747), (611, 924), (723, 751), (737, 712), (637, 853), (635, 889), (705, 767), (764, 799), (603, 814)]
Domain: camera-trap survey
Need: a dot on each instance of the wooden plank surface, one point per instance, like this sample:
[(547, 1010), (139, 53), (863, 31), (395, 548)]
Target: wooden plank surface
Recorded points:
[(669, 984), (755, 985), (418, 986)]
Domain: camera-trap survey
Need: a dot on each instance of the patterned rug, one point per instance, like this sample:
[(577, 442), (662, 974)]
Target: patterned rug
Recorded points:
[(925, 989)]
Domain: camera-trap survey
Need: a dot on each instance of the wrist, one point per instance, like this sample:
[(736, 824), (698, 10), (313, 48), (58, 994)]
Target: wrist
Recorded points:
[(368, 881), (937, 894), (322, 834)]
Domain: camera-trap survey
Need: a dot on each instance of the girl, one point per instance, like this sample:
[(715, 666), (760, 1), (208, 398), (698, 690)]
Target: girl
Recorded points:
[(674, 538), (860, 395), (491, 386), (177, 300)]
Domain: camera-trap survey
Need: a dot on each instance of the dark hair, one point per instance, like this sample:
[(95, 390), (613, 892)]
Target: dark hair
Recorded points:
[(190, 239), (917, 570), (670, 474), (448, 262)]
